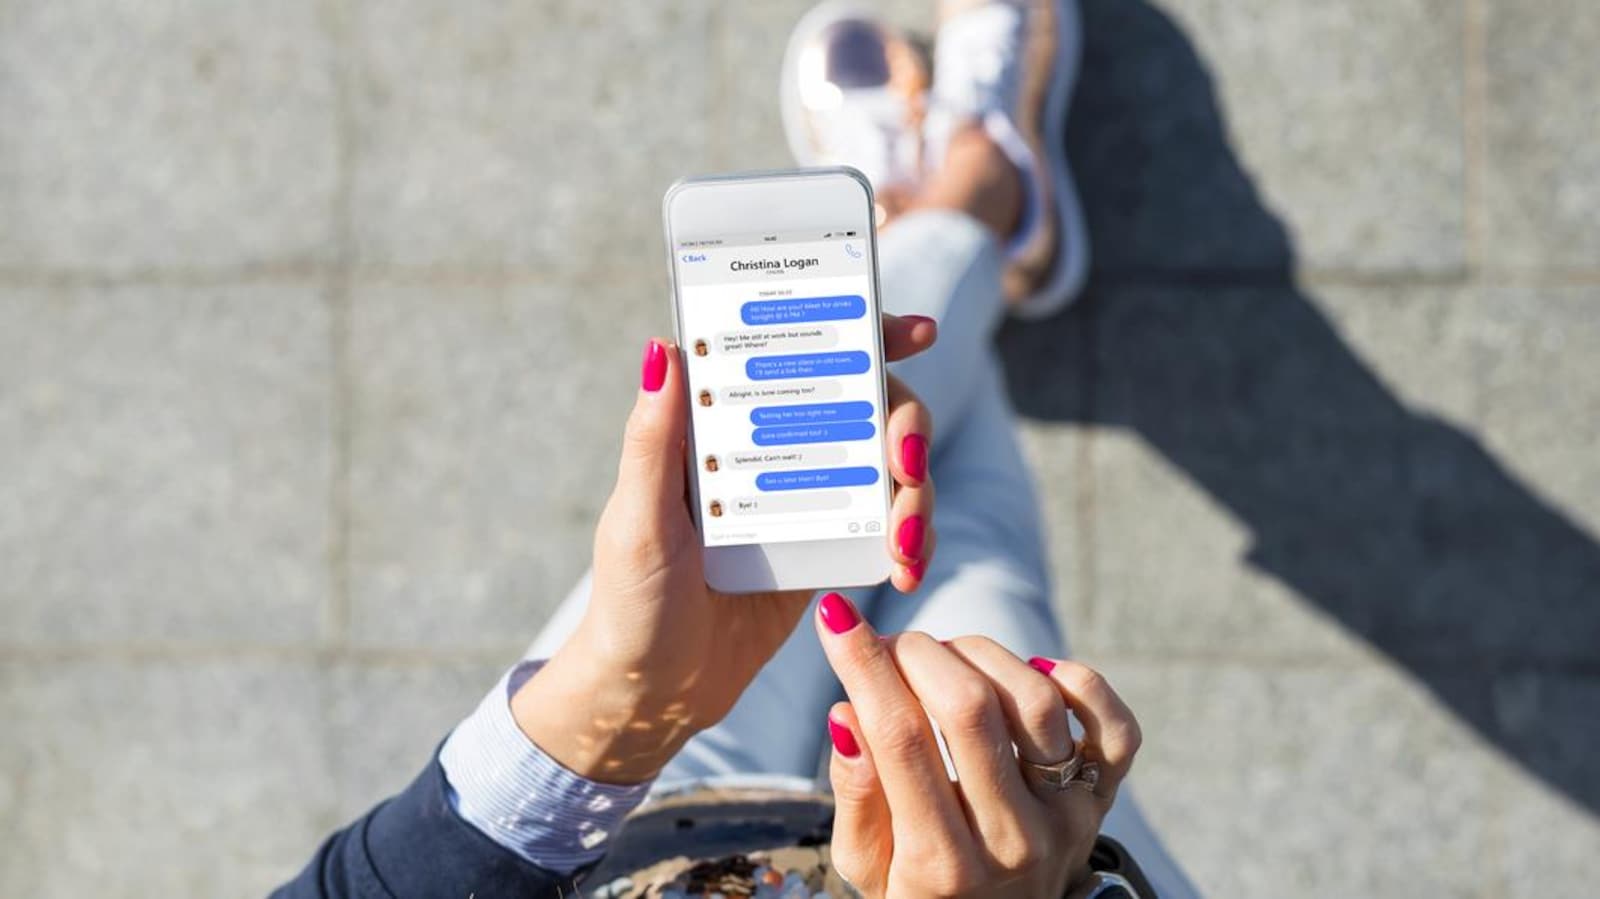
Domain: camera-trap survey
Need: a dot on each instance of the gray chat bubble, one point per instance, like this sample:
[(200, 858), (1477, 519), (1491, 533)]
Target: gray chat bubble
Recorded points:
[(780, 457), (809, 392), (791, 501), (787, 339)]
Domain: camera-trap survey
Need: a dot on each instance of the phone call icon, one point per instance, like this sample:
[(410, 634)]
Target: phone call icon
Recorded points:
[(851, 251)]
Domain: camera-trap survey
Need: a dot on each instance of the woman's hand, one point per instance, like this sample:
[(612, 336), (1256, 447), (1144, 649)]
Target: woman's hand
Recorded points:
[(659, 655), (902, 827)]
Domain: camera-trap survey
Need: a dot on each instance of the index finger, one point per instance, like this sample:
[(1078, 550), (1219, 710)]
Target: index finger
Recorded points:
[(897, 733), (905, 336)]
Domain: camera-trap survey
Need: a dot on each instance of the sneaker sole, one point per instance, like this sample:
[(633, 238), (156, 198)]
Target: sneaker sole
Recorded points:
[(1070, 269)]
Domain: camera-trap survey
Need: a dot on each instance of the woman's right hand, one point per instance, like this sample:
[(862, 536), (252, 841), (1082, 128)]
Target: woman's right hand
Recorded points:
[(902, 827)]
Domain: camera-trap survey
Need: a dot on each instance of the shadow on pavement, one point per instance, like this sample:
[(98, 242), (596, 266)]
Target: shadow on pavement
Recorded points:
[(1194, 335)]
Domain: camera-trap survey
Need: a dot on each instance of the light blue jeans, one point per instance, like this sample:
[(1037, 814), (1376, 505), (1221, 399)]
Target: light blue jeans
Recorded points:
[(989, 575)]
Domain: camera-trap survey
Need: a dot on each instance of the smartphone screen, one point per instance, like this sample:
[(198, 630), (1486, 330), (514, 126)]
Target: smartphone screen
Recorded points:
[(784, 371)]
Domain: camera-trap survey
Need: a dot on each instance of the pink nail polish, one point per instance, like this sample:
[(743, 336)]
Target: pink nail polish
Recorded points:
[(837, 613), (914, 457), (917, 569), (844, 741), (653, 372), (1042, 665), (910, 536)]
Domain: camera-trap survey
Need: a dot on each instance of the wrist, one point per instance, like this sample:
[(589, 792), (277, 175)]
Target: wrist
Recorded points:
[(600, 720)]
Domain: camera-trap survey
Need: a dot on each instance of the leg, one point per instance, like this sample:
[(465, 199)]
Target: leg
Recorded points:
[(977, 178), (989, 577), (945, 265)]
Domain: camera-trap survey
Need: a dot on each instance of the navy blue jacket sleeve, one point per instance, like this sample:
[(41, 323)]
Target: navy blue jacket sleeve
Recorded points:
[(415, 845)]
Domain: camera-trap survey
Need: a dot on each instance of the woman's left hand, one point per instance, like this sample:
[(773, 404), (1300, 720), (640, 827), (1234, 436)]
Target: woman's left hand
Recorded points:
[(659, 655), (902, 827)]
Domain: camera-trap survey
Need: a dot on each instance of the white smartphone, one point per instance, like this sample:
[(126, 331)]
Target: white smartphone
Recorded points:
[(775, 304)]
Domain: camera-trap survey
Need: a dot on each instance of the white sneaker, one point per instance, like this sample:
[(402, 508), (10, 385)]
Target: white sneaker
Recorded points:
[(851, 94), (1010, 65)]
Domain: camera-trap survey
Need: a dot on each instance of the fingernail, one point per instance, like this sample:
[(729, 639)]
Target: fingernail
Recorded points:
[(1042, 665), (916, 569), (909, 537), (914, 456), (921, 318), (653, 372), (837, 613), (844, 740)]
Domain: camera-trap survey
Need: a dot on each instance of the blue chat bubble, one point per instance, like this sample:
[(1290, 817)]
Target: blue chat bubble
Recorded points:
[(808, 309), (836, 432), (806, 365), (815, 478), (810, 413)]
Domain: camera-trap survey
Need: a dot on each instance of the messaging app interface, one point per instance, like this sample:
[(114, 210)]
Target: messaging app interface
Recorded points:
[(783, 387)]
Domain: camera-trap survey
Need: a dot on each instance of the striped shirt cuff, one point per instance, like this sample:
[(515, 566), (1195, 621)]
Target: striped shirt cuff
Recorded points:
[(505, 786)]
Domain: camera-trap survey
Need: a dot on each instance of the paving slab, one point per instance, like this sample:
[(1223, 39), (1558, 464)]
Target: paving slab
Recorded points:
[(526, 136), (1499, 466), (1172, 570), (166, 135), (135, 778), (1420, 343), (485, 426), (1550, 841), (1509, 516), (1536, 348), (1243, 415), (387, 718), (168, 466), (746, 115), (1541, 167), (1550, 784), (1309, 781), (1307, 474), (1226, 135)]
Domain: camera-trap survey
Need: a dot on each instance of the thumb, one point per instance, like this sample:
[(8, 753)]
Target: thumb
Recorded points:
[(863, 841), (650, 474)]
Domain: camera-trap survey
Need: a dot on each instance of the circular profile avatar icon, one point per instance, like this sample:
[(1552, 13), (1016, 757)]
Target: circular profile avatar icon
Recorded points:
[(705, 397), (712, 464), (700, 348), (716, 508)]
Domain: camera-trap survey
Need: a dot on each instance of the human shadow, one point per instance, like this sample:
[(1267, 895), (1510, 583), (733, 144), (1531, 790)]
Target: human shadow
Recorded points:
[(1194, 335)]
